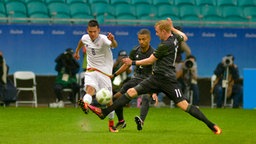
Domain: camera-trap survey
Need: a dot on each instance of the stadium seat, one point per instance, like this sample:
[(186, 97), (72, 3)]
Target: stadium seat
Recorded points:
[(99, 9), (17, 12), (234, 15), (15, 7), (3, 18), (184, 2), (190, 12), (30, 86), (165, 11), (223, 3), (212, 16), (106, 19), (59, 12), (144, 10), (81, 12), (162, 2), (29, 1), (246, 3), (39, 18), (232, 11), (125, 9), (250, 13), (135, 2), (98, 1), (8, 1), (206, 2), (114, 2), (79, 8), (210, 11), (76, 1), (126, 20), (2, 8), (54, 1), (37, 7)]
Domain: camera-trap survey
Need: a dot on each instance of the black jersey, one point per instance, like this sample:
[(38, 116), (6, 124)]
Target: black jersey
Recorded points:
[(136, 54), (166, 53)]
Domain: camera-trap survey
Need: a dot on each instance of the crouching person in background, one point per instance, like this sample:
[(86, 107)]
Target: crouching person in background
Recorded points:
[(67, 68)]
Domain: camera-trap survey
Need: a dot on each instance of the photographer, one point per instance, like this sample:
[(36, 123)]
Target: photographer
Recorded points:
[(67, 68), (186, 74), (230, 81)]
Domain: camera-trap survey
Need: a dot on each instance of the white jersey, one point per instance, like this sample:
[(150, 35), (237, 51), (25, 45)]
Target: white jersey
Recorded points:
[(99, 54)]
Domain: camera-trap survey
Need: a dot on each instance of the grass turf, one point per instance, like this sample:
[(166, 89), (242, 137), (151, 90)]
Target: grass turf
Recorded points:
[(163, 125)]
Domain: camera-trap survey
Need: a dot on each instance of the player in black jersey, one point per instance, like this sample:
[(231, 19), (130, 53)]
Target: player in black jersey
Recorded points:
[(141, 51), (163, 78)]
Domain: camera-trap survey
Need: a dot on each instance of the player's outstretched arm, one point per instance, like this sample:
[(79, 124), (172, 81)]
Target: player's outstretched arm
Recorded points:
[(79, 46)]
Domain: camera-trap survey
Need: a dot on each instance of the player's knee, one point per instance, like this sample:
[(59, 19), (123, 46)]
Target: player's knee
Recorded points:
[(132, 92)]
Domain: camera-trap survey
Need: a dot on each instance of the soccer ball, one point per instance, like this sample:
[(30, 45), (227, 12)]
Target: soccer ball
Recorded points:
[(103, 96)]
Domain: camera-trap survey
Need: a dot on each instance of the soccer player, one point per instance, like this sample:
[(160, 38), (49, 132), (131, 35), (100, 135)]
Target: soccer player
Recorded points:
[(163, 78), (143, 50), (99, 64)]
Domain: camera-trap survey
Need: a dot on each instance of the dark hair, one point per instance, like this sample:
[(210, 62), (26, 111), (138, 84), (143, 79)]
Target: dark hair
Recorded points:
[(144, 31), (93, 23)]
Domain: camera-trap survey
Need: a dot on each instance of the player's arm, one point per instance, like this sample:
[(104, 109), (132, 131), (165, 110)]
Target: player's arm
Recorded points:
[(147, 61), (184, 46), (122, 69), (111, 37), (176, 31), (79, 46)]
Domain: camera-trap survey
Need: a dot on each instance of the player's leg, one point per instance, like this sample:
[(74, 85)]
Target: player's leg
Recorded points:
[(195, 112), (111, 122), (143, 111), (146, 86), (173, 91), (119, 111), (91, 85)]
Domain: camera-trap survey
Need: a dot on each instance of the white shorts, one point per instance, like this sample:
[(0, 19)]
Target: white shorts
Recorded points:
[(97, 80)]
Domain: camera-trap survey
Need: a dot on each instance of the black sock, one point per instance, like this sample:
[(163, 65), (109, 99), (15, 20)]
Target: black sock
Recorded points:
[(120, 102), (119, 113), (195, 112)]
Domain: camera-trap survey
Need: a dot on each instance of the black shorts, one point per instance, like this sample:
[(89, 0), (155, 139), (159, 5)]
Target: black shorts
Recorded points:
[(156, 84), (130, 84)]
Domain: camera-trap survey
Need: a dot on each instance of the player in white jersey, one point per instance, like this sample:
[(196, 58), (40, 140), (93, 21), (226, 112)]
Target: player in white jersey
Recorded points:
[(99, 64)]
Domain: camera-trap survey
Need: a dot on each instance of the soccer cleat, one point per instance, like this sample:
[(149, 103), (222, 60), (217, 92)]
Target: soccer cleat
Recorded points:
[(83, 106), (139, 122), (113, 129), (121, 125), (217, 130), (97, 111)]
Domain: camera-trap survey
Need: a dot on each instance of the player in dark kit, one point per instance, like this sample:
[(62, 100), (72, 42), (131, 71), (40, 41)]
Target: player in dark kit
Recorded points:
[(142, 51), (163, 78)]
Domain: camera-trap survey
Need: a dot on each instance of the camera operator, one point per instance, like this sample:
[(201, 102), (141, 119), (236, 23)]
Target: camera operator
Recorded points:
[(186, 73), (230, 81), (67, 68)]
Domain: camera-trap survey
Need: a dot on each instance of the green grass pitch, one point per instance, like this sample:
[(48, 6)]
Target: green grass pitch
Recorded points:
[(25, 125)]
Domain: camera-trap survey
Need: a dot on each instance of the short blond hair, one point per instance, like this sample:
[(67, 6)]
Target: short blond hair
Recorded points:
[(163, 25)]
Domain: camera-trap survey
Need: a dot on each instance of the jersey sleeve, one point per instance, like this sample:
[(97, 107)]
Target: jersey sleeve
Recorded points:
[(106, 41), (161, 51)]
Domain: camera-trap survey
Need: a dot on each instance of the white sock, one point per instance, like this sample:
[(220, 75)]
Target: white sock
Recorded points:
[(111, 115), (87, 98)]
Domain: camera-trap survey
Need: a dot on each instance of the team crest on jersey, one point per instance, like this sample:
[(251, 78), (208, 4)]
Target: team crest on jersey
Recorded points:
[(137, 56)]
